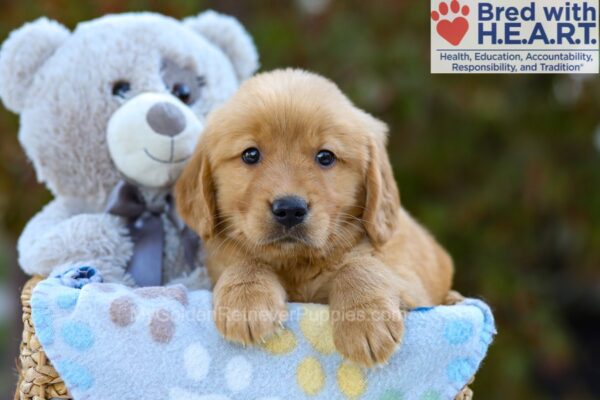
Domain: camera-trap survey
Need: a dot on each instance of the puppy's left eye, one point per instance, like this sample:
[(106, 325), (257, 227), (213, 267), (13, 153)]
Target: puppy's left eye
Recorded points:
[(251, 155), (325, 158)]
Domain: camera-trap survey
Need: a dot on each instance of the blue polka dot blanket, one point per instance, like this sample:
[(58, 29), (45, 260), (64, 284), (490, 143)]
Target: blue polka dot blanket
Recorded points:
[(113, 342)]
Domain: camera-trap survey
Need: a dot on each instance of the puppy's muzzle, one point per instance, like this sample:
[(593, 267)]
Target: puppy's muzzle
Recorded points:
[(289, 211)]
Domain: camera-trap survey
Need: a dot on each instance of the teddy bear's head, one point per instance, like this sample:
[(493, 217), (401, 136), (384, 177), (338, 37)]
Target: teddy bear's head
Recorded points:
[(143, 73)]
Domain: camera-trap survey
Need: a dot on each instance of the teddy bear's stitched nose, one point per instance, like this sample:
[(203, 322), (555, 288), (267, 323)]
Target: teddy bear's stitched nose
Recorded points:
[(166, 119)]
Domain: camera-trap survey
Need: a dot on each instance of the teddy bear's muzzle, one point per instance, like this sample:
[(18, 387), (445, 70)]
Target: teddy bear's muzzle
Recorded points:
[(151, 136), (166, 119)]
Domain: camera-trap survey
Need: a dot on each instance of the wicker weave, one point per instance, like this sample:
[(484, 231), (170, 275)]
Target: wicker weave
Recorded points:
[(38, 380)]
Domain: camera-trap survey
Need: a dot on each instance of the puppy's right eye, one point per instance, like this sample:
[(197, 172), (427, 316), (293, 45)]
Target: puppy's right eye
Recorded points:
[(251, 155)]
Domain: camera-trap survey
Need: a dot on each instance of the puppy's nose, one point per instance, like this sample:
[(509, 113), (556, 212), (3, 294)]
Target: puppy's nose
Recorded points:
[(289, 211), (166, 119)]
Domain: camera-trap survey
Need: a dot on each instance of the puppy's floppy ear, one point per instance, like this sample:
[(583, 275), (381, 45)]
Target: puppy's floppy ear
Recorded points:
[(194, 196), (382, 205)]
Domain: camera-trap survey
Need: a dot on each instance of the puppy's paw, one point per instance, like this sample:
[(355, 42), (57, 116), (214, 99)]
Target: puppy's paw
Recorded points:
[(248, 313), (369, 335)]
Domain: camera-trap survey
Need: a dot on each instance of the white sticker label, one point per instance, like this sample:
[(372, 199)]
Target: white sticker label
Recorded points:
[(514, 36)]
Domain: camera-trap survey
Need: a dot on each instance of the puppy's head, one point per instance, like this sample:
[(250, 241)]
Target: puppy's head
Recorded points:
[(290, 165)]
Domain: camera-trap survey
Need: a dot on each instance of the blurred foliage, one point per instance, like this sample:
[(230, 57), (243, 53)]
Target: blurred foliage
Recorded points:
[(503, 169)]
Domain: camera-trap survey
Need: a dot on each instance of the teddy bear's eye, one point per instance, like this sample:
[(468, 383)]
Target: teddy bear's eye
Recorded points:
[(121, 88), (182, 92)]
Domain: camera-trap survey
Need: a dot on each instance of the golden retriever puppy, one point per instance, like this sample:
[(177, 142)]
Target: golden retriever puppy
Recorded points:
[(293, 194)]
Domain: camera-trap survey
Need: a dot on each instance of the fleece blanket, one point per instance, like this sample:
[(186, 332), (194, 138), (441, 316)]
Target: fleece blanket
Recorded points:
[(112, 342)]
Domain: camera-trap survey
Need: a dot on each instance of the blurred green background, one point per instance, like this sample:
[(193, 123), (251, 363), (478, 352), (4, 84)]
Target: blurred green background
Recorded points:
[(505, 170)]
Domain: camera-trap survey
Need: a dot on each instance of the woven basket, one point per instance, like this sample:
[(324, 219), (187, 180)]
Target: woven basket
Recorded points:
[(38, 380)]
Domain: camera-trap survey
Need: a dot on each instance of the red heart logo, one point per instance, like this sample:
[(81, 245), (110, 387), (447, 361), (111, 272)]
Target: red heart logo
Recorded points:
[(454, 31)]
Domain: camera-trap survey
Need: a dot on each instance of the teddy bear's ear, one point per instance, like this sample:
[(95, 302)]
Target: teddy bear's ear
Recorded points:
[(230, 36), (22, 54)]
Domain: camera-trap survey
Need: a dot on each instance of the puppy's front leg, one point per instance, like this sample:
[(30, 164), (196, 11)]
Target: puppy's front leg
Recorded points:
[(366, 309), (249, 303)]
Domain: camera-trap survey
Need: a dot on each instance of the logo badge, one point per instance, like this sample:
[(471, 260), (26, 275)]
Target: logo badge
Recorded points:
[(514, 36)]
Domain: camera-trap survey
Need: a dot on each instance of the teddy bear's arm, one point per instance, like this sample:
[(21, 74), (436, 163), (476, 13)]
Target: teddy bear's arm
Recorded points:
[(61, 236)]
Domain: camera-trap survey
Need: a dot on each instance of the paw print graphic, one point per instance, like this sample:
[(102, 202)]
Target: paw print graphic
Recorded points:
[(452, 30)]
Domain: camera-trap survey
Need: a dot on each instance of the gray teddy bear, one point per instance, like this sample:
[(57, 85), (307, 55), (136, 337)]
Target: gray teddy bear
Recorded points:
[(109, 114)]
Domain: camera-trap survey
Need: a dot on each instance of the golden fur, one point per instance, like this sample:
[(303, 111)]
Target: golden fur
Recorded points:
[(358, 251)]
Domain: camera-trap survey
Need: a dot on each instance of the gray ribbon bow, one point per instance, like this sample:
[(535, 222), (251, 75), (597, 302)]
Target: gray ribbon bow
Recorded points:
[(147, 232)]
